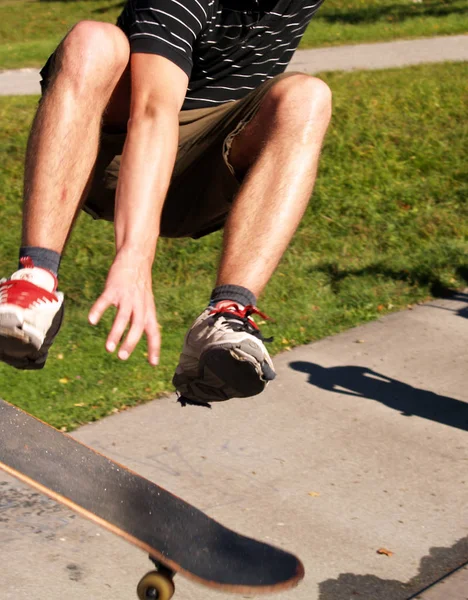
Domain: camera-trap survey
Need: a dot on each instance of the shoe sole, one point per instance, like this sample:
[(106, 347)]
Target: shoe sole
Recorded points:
[(18, 341), (15, 344), (14, 341), (236, 374)]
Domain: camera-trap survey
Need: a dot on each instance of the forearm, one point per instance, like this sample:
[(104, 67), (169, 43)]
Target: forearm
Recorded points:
[(145, 172)]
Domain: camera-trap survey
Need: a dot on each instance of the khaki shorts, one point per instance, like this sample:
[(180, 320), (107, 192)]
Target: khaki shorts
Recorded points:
[(203, 183)]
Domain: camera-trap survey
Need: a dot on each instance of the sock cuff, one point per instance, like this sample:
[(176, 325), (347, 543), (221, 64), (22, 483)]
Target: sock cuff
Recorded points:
[(41, 257), (236, 293)]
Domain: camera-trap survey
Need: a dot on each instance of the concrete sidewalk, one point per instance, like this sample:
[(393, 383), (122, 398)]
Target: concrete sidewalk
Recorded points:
[(359, 445), (341, 58)]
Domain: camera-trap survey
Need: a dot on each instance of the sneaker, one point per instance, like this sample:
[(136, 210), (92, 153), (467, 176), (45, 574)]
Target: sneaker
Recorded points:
[(31, 313), (224, 356)]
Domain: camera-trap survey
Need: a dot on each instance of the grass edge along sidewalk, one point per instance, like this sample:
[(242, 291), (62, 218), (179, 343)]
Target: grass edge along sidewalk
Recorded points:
[(26, 42), (387, 226), (380, 55)]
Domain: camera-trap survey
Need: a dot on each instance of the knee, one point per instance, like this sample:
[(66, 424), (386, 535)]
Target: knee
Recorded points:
[(93, 56), (299, 99)]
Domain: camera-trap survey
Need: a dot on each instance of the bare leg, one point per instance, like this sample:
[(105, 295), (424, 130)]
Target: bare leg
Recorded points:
[(64, 138), (279, 152)]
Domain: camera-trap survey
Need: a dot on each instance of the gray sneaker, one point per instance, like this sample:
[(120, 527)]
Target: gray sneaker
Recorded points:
[(224, 356)]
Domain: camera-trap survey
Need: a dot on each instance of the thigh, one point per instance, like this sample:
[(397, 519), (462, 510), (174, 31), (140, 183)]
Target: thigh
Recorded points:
[(203, 183)]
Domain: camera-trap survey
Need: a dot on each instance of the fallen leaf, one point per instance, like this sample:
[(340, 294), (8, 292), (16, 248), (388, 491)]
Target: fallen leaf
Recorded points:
[(79, 404), (385, 552), (359, 341), (64, 380), (314, 494)]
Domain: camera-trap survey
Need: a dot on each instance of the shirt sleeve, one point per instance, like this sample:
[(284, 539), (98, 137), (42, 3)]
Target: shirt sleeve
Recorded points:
[(168, 28)]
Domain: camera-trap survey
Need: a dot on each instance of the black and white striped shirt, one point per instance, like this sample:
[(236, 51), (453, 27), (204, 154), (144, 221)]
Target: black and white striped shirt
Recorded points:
[(226, 47)]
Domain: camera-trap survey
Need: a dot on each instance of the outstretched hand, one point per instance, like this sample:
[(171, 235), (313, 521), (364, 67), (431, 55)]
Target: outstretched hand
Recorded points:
[(129, 289)]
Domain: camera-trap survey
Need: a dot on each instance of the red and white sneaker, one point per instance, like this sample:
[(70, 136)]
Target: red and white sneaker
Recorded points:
[(31, 313)]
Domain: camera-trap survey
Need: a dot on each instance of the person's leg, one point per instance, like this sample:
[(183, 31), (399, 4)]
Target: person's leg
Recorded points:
[(277, 155), (64, 138), (61, 152)]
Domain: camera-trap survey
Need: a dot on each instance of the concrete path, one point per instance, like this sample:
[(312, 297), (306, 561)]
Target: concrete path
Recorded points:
[(382, 56), (359, 446), (346, 58)]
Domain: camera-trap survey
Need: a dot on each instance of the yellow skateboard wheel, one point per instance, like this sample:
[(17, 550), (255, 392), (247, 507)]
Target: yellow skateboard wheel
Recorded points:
[(155, 586)]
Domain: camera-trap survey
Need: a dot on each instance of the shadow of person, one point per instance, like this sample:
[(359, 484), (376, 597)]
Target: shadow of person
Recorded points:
[(462, 312), (363, 382), (458, 297), (436, 565)]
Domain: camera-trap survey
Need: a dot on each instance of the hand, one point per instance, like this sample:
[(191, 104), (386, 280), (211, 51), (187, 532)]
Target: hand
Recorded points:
[(129, 288)]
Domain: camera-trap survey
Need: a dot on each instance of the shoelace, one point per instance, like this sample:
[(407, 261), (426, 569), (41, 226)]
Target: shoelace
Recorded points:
[(239, 319)]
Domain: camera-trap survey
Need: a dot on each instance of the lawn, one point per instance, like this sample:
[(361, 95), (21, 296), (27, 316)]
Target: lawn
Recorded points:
[(387, 226), (31, 29)]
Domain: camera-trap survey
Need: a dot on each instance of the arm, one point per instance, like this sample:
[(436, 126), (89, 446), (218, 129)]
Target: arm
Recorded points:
[(157, 93)]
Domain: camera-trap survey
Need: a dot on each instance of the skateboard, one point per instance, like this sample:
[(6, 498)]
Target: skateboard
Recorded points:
[(178, 537)]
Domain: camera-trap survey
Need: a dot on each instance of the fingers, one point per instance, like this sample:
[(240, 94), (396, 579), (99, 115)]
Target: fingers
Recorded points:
[(138, 326), (154, 341), (99, 308), (134, 335), (119, 326)]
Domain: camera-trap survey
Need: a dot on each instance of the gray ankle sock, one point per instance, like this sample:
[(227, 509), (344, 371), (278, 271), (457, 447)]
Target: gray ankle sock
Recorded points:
[(41, 257), (236, 293)]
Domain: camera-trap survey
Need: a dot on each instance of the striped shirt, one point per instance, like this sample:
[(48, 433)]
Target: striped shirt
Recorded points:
[(226, 47)]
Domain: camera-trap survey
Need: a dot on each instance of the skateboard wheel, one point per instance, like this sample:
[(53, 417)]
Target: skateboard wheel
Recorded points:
[(155, 586)]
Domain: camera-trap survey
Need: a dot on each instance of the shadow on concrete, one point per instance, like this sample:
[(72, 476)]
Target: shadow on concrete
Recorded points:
[(458, 297), (394, 13), (366, 383), (439, 563)]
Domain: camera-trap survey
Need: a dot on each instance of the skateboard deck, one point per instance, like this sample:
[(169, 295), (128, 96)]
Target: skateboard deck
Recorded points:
[(178, 537)]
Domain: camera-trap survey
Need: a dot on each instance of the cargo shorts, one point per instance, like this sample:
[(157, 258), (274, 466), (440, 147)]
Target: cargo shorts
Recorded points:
[(203, 183)]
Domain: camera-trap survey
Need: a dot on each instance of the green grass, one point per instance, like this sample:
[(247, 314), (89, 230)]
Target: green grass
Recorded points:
[(31, 29), (387, 226), (353, 21)]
